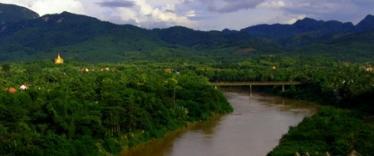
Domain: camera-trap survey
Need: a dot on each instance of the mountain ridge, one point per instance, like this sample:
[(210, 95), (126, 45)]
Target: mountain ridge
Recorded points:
[(10, 13), (80, 36)]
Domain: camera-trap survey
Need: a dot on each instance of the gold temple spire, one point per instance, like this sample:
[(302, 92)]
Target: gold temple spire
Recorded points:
[(59, 59)]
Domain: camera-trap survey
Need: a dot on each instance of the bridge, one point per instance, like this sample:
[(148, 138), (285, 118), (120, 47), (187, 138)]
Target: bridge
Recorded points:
[(256, 83)]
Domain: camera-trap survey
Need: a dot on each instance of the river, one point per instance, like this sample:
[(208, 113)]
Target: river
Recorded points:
[(253, 129)]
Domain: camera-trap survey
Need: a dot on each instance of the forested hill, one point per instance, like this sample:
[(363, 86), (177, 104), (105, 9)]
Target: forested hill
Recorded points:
[(26, 36), (12, 13)]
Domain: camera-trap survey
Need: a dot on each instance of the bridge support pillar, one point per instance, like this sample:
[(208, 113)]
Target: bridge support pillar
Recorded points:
[(250, 90), (283, 88)]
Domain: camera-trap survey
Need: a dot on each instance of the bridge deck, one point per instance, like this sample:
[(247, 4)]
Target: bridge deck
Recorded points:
[(291, 83)]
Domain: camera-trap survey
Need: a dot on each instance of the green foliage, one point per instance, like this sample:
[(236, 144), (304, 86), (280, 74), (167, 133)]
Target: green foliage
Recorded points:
[(338, 84), (97, 109), (336, 131), (343, 84), (83, 109)]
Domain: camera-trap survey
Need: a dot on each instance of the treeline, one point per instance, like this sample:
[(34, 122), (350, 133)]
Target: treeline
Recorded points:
[(97, 110), (342, 84), (330, 132)]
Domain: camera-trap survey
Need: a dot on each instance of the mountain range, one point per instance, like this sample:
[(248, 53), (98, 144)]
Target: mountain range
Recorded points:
[(24, 35)]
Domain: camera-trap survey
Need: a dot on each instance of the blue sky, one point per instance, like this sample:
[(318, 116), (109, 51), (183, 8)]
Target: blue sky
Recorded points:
[(205, 14)]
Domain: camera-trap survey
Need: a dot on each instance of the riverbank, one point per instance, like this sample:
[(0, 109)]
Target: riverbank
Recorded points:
[(332, 130), (86, 110), (155, 147), (340, 128), (256, 126)]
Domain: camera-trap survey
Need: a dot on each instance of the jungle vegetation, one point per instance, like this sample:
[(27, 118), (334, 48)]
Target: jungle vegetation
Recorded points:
[(157, 80), (96, 109), (48, 109)]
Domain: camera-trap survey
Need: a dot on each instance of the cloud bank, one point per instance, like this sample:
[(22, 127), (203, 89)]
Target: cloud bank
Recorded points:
[(204, 14)]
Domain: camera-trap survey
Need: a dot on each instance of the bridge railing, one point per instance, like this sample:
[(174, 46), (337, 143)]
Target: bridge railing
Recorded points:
[(251, 84)]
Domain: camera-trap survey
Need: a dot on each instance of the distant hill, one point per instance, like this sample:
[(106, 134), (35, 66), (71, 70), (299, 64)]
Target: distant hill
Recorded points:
[(26, 36), (74, 35), (367, 24), (302, 32), (13, 13), (304, 26), (309, 37)]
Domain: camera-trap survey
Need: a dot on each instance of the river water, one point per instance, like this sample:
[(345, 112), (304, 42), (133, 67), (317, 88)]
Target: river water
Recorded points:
[(253, 129)]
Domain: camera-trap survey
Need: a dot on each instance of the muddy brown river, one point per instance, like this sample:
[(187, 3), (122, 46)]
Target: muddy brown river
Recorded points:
[(253, 129)]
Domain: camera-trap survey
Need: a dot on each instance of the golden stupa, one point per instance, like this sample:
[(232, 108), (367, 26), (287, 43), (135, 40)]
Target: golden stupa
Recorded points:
[(59, 59)]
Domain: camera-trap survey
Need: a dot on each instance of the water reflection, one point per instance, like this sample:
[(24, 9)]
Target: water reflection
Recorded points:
[(254, 129), (162, 147)]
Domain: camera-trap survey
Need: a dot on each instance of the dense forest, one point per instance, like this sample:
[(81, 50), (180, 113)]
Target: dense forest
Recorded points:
[(331, 131), (343, 84), (95, 110), (87, 109), (344, 90), (154, 81), (344, 123)]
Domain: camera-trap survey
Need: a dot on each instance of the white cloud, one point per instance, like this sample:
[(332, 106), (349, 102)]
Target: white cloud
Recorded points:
[(205, 14), (272, 4), (191, 13), (56, 6), (50, 6), (127, 14), (295, 19), (146, 14)]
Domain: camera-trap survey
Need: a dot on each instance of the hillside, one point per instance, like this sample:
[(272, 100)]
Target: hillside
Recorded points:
[(12, 13), (302, 30), (28, 37)]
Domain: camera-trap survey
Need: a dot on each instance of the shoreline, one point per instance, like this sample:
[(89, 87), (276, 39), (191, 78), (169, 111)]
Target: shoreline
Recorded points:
[(172, 134)]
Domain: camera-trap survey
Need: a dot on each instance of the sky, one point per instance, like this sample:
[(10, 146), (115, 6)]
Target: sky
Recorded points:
[(205, 14)]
